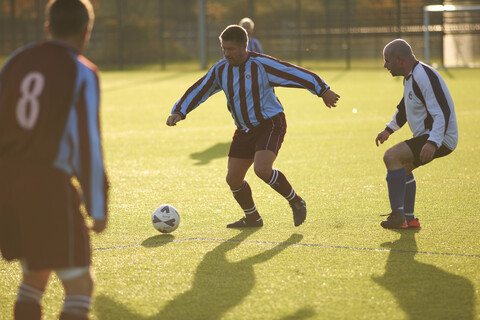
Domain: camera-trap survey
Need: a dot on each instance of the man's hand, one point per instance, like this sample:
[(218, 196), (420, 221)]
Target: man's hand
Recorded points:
[(427, 153), (330, 98), (99, 225), (382, 137), (173, 119)]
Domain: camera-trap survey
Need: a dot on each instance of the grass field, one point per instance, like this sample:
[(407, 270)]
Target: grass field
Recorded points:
[(340, 264)]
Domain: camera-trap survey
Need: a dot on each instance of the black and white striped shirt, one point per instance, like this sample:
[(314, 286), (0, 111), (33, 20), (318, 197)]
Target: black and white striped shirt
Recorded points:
[(428, 107)]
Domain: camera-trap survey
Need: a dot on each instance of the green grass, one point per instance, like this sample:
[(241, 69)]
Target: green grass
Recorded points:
[(339, 265)]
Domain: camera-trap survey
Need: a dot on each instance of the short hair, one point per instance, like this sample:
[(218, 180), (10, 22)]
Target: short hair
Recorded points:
[(234, 33), (69, 17), (247, 21)]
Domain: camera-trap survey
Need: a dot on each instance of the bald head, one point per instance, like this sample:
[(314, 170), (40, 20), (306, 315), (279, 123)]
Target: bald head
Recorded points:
[(247, 24), (399, 57), (399, 48)]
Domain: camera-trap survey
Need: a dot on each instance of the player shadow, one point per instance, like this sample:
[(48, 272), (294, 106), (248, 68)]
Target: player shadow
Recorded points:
[(422, 290), (158, 240), (220, 283), (300, 314), (217, 151)]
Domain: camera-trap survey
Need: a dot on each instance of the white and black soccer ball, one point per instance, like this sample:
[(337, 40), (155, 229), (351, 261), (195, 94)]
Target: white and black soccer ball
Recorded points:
[(165, 218)]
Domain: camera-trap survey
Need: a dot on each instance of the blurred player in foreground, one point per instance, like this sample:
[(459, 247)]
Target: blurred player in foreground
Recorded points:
[(248, 80), (428, 108), (249, 26), (49, 133)]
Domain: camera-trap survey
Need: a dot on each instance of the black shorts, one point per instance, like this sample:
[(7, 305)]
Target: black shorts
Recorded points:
[(40, 218), (416, 144), (268, 135)]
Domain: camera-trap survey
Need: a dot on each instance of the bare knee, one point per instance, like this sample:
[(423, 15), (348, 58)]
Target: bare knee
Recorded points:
[(263, 172), (81, 285), (37, 279), (391, 160), (233, 181)]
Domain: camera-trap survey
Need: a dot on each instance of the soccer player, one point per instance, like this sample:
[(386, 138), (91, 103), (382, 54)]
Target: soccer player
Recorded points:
[(253, 44), (248, 80), (428, 108), (49, 134)]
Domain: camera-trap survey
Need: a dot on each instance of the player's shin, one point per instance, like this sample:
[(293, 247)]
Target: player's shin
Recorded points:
[(28, 305), (396, 189), (243, 196), (409, 202), (279, 183)]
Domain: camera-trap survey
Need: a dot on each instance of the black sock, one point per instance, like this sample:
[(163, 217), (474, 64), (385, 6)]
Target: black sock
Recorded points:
[(245, 200)]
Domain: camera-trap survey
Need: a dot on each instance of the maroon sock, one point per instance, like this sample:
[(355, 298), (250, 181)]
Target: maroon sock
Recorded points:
[(68, 316), (279, 183), (245, 200), (27, 310)]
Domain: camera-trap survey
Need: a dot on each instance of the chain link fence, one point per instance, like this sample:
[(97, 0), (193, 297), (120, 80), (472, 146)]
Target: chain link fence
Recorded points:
[(331, 34)]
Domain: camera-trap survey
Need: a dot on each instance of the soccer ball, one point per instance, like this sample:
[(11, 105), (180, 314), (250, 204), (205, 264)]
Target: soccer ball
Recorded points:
[(165, 218)]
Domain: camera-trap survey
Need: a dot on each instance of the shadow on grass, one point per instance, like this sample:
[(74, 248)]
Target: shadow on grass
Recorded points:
[(220, 150), (219, 284), (424, 291), (158, 240)]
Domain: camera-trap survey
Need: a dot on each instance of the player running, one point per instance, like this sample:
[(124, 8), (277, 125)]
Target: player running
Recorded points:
[(428, 108), (248, 80)]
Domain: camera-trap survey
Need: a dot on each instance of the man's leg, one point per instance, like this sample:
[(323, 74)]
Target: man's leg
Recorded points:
[(396, 158), (30, 293), (78, 284), (409, 202), (237, 169), (263, 166)]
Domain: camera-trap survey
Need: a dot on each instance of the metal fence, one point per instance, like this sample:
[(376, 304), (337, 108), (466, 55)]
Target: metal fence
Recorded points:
[(341, 33)]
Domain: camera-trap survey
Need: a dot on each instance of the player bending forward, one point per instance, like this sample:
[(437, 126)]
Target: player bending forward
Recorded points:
[(49, 133), (248, 80), (428, 108)]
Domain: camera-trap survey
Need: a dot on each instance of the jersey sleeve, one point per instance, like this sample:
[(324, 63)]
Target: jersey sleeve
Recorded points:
[(437, 106), (199, 92), (399, 118), (91, 172), (284, 74)]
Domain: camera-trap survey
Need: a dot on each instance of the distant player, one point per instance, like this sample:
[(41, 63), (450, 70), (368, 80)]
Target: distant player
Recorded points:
[(248, 80), (49, 133), (428, 108), (253, 44)]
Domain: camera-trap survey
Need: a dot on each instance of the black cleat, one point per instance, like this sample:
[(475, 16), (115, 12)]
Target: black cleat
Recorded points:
[(395, 220), (245, 223), (299, 212)]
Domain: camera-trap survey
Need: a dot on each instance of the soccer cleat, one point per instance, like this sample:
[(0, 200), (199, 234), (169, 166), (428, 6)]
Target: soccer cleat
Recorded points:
[(414, 224), (395, 220), (299, 212), (245, 223)]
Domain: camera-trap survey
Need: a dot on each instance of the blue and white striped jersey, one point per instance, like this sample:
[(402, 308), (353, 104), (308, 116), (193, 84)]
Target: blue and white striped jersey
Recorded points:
[(249, 88), (428, 107), (49, 114)]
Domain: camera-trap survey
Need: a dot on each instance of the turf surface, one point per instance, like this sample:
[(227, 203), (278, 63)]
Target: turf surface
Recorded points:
[(339, 265)]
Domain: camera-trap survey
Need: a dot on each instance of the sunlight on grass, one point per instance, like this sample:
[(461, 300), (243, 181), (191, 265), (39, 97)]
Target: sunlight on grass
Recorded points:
[(339, 265)]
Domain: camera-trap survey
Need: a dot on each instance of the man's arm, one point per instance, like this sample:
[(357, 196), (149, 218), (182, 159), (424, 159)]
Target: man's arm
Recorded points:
[(199, 92), (399, 119)]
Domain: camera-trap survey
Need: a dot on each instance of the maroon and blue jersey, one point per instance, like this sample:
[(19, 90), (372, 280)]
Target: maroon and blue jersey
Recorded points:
[(49, 114), (249, 88)]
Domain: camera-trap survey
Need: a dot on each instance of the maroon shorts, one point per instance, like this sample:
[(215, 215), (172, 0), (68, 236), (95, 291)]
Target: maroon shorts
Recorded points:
[(40, 218), (268, 135)]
